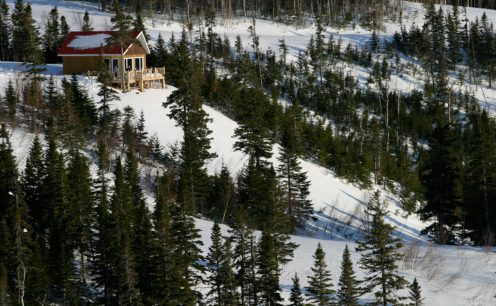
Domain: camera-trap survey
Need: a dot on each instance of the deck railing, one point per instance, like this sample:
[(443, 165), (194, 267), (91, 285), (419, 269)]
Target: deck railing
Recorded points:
[(149, 74), (143, 75)]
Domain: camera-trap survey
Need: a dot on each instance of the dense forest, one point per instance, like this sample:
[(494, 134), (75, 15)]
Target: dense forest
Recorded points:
[(73, 236), (334, 12)]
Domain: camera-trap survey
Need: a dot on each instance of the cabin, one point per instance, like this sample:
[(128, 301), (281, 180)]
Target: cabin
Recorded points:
[(126, 61)]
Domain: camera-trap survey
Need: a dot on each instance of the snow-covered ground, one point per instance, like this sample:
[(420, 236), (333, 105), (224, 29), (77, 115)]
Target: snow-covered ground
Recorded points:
[(448, 275)]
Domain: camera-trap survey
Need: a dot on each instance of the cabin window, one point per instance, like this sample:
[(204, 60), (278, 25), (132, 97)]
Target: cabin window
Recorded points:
[(129, 64), (138, 63), (107, 63)]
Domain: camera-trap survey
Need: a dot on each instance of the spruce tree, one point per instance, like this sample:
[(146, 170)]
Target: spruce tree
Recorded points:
[(348, 291), (293, 180), (255, 117), (163, 241), (214, 261), (221, 200), (107, 95), (11, 102), (415, 294), (142, 227), (269, 270), (25, 36), (58, 216), (185, 107), (296, 297), (8, 197), (51, 37), (83, 105), (229, 290), (32, 186), (187, 271), (380, 255), (441, 176), (320, 285), (138, 24), (5, 31), (159, 52), (245, 256), (104, 236), (124, 263), (87, 23), (51, 96), (479, 184), (64, 30), (80, 195)]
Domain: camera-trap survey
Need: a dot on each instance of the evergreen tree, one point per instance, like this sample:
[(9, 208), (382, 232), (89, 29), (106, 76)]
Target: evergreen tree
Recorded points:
[(124, 263), (87, 23), (320, 285), (186, 252), (107, 95), (348, 291), (415, 294), (380, 255), (64, 30), (159, 52), (374, 42), (51, 96), (269, 270), (245, 256), (258, 193), (479, 183), (8, 197), (141, 226), (83, 105), (138, 24), (81, 198), (293, 180), (5, 31), (162, 223), (25, 36), (453, 37), (32, 186), (296, 297), (11, 101), (222, 196), (214, 260), (441, 175), (255, 117), (102, 245), (51, 37), (229, 290), (185, 106), (58, 216)]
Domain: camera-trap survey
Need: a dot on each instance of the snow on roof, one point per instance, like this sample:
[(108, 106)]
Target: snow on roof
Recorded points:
[(89, 41)]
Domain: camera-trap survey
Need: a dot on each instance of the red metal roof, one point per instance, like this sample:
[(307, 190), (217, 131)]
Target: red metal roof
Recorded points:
[(67, 50)]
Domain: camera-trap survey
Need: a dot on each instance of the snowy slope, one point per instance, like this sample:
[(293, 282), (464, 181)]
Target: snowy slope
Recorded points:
[(451, 276), (463, 276)]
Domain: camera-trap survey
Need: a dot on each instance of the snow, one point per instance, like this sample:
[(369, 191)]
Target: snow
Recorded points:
[(448, 275), (89, 41), (454, 276)]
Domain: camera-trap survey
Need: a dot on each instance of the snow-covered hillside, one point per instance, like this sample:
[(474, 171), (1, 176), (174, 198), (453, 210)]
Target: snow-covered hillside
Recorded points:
[(448, 275), (441, 271)]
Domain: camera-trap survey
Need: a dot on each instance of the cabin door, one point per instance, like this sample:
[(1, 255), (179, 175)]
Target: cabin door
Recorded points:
[(115, 67)]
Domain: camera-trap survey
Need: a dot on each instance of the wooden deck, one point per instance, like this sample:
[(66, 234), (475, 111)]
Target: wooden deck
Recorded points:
[(147, 78)]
